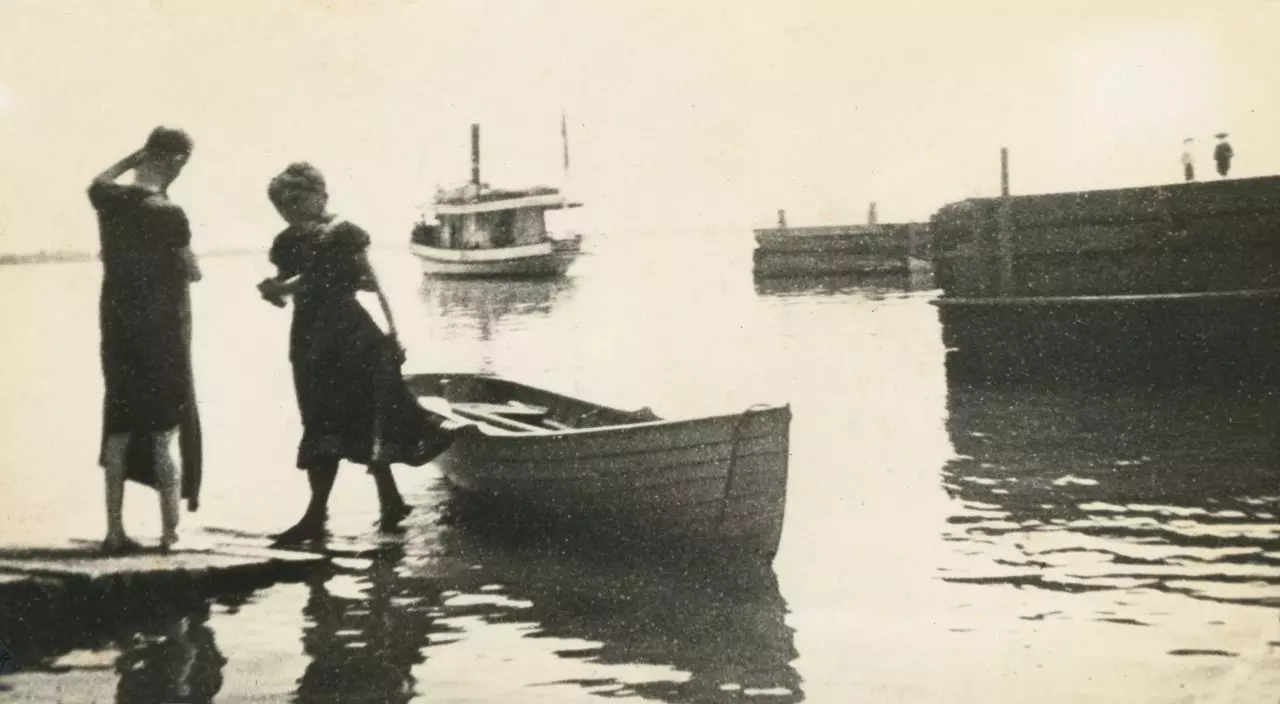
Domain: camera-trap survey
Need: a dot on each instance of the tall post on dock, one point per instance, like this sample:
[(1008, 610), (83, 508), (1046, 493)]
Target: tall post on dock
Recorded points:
[(871, 214), (475, 155), (1006, 285), (1004, 171), (782, 219)]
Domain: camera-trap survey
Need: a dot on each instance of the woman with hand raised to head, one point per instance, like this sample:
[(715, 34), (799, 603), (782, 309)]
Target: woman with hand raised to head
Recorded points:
[(145, 318)]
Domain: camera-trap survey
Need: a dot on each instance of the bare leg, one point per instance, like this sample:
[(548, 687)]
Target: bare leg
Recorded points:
[(169, 485), (113, 465), (390, 502), (312, 523)]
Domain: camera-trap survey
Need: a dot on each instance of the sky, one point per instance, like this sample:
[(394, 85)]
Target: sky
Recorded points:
[(682, 116)]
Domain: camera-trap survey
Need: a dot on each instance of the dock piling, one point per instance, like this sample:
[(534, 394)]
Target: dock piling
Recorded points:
[(1004, 171)]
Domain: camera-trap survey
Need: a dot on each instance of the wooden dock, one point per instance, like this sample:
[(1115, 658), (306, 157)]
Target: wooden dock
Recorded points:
[(1180, 281), (841, 249)]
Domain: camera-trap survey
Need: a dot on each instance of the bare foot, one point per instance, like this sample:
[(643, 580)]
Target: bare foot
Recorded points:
[(391, 518), (301, 532), (120, 545)]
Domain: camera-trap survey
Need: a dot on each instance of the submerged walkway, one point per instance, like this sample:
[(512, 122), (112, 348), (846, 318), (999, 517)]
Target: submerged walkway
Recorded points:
[(222, 562), (47, 590)]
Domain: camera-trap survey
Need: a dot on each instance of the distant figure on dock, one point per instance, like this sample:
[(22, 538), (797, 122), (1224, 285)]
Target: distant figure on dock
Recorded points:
[(1188, 161), (1222, 154), (346, 372), (145, 318)]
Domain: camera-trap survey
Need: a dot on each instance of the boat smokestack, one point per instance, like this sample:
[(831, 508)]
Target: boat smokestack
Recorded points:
[(475, 155)]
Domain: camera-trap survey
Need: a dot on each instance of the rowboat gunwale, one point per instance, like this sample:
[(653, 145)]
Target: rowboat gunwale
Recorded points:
[(415, 382)]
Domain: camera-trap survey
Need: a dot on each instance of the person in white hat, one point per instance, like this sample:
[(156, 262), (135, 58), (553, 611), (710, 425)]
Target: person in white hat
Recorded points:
[(1188, 162)]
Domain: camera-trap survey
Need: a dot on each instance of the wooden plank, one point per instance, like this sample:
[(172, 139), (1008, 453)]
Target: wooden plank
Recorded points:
[(85, 565), (511, 408), (464, 388), (499, 421), (774, 233), (854, 244)]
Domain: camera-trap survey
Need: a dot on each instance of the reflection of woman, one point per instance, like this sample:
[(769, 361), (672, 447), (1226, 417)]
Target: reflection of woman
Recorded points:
[(363, 649), (183, 666), (352, 399)]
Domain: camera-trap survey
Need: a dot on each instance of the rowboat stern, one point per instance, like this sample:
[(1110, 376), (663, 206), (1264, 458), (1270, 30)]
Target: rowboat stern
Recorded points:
[(755, 502)]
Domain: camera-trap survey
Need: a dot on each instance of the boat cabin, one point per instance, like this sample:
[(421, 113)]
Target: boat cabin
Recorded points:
[(483, 218)]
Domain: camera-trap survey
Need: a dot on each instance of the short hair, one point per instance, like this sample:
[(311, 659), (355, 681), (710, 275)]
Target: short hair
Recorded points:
[(169, 142), (298, 176)]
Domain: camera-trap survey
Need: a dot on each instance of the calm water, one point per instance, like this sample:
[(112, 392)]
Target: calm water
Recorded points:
[(942, 544)]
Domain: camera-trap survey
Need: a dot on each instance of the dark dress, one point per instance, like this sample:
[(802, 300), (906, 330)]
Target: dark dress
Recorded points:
[(1222, 155), (351, 395), (145, 320)]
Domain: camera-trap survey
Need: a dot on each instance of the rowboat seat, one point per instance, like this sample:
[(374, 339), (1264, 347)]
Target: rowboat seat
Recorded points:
[(508, 409), (496, 416)]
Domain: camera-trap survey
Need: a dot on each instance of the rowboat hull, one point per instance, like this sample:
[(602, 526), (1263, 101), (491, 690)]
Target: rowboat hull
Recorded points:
[(543, 259), (718, 481)]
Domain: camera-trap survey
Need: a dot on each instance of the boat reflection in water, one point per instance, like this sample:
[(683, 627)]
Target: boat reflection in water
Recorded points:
[(490, 302), (676, 634), (1117, 489), (875, 284)]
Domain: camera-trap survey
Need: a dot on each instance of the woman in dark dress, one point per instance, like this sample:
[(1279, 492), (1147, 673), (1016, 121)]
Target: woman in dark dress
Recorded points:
[(145, 319), (346, 371)]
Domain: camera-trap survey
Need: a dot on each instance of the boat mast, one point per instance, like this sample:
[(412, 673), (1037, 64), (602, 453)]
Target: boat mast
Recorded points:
[(564, 140), (564, 137), (475, 156)]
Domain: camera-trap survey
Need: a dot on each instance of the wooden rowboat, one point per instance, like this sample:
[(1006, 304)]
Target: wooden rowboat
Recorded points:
[(718, 482)]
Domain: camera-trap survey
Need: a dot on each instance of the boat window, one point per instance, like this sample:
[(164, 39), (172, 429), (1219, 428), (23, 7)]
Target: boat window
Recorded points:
[(502, 228)]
